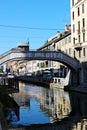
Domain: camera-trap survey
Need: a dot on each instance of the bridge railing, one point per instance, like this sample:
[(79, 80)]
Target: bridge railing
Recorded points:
[(40, 55)]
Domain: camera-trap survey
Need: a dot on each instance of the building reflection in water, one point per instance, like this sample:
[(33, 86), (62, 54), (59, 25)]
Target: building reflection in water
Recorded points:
[(79, 110), (69, 108), (55, 101), (51, 101)]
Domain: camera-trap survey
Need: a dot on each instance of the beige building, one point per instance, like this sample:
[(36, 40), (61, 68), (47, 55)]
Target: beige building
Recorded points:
[(63, 43), (32, 66), (79, 28), (59, 42), (72, 41)]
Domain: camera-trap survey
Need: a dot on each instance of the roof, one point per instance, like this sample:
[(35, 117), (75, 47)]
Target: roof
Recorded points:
[(56, 39), (23, 44)]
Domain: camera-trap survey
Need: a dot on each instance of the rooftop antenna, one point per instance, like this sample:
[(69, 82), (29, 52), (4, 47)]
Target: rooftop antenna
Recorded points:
[(28, 42)]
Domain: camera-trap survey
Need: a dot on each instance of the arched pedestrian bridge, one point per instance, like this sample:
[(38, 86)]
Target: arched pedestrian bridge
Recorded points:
[(78, 69), (40, 55)]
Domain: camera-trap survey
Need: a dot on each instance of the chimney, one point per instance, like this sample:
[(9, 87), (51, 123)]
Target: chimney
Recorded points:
[(58, 34), (67, 28)]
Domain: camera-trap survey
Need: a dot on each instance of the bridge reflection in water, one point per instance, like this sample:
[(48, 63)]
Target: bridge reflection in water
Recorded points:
[(39, 105)]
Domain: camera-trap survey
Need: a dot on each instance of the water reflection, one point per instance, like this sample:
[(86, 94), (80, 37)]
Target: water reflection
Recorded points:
[(79, 111), (39, 105), (55, 101)]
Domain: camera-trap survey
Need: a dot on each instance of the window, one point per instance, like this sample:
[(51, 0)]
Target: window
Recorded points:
[(84, 51), (78, 27), (83, 37), (73, 15), (69, 39), (74, 40), (65, 40), (73, 28), (79, 53), (83, 22), (79, 38), (78, 11), (72, 2), (74, 54), (82, 8), (69, 50)]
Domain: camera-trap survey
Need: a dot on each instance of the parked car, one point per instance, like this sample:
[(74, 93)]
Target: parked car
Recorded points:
[(47, 76), (28, 74), (10, 75)]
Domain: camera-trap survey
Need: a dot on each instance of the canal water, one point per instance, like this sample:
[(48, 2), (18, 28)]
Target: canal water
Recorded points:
[(41, 105)]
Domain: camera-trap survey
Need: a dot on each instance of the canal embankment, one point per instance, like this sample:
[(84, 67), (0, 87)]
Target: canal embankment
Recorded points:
[(35, 80), (46, 82)]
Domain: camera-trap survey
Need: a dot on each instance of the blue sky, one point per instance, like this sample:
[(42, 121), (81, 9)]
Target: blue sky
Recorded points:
[(36, 20)]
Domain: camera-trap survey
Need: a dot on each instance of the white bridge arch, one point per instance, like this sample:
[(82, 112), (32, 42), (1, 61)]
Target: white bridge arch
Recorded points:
[(40, 55)]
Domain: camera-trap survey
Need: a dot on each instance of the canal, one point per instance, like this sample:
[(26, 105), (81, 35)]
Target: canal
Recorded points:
[(41, 105)]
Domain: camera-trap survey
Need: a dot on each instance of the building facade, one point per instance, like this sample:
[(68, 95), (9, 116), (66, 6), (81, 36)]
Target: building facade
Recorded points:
[(59, 42), (73, 41), (79, 28), (79, 35)]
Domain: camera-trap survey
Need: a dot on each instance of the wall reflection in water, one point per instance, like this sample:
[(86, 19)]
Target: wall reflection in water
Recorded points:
[(54, 103), (79, 111), (68, 109)]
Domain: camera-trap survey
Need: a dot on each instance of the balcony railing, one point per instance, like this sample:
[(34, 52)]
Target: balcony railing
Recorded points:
[(78, 46)]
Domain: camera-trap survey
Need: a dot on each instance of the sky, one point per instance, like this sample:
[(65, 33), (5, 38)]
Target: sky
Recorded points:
[(33, 20)]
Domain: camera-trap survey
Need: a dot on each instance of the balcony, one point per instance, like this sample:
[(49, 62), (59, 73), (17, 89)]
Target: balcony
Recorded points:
[(78, 46), (78, 32)]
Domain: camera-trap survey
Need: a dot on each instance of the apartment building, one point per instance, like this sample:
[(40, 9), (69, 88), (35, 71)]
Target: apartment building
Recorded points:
[(64, 41), (59, 42), (32, 66), (48, 46), (72, 41), (79, 28)]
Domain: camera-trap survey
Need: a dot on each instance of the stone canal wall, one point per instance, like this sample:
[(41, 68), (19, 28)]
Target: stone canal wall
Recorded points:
[(35, 80)]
